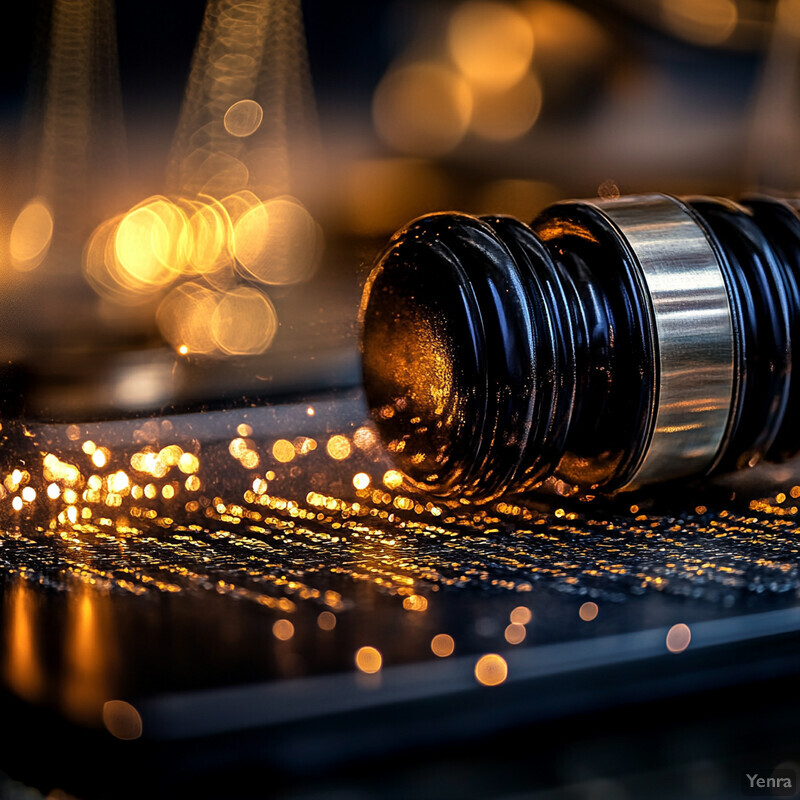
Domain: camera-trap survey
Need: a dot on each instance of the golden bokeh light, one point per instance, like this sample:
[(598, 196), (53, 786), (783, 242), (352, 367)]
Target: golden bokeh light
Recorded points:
[(283, 630), (31, 235), (208, 234), (508, 113), (244, 322), (491, 670), (283, 451), (515, 633), (361, 480), (188, 463), (491, 43), (521, 615), (326, 621), (277, 242), (150, 244), (100, 266), (706, 22), (423, 108), (588, 611), (570, 43), (392, 479), (122, 720), (243, 118), (415, 602), (338, 447), (369, 660), (442, 645), (678, 638), (184, 315)]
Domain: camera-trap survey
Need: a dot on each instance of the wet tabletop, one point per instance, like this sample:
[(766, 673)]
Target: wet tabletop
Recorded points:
[(145, 561)]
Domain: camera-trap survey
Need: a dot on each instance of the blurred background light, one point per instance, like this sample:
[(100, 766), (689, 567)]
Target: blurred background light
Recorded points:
[(423, 108), (491, 43), (225, 175)]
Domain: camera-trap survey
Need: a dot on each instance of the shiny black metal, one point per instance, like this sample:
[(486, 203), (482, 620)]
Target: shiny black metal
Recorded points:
[(545, 348)]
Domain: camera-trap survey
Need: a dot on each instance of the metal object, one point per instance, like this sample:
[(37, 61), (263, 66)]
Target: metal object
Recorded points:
[(608, 345), (693, 330)]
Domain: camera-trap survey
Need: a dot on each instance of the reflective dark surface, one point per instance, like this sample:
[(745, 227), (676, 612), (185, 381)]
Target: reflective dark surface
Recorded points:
[(193, 599)]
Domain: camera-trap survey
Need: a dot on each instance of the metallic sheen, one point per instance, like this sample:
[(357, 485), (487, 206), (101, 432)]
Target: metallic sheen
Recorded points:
[(693, 333)]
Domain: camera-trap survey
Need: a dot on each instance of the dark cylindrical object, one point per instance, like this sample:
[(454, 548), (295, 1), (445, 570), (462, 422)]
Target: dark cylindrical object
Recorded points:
[(609, 344)]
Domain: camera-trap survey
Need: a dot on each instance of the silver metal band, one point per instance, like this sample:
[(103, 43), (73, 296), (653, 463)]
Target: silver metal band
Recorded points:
[(693, 334)]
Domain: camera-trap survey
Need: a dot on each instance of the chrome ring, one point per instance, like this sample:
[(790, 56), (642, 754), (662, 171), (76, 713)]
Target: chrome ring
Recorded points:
[(693, 331)]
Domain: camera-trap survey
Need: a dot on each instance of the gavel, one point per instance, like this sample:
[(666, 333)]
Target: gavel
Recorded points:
[(608, 344)]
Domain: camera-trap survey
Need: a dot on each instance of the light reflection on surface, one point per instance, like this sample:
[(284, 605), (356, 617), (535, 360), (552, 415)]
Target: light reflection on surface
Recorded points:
[(88, 655), (23, 668), (181, 512)]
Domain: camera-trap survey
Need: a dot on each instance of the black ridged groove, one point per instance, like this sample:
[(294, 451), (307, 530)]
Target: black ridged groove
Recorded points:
[(546, 346)]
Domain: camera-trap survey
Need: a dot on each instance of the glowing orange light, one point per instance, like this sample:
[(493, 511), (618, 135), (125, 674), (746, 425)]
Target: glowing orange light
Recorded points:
[(183, 318), (678, 638), (491, 669), (122, 720), (364, 438), (150, 244), (118, 482), (338, 447), (244, 322), (491, 43), (392, 479), (361, 480), (422, 109), (326, 621), (283, 629), (31, 235), (207, 236), (442, 645), (521, 615), (509, 113), (515, 633), (701, 21), (277, 242), (283, 451), (588, 611), (369, 660), (243, 118), (415, 602)]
